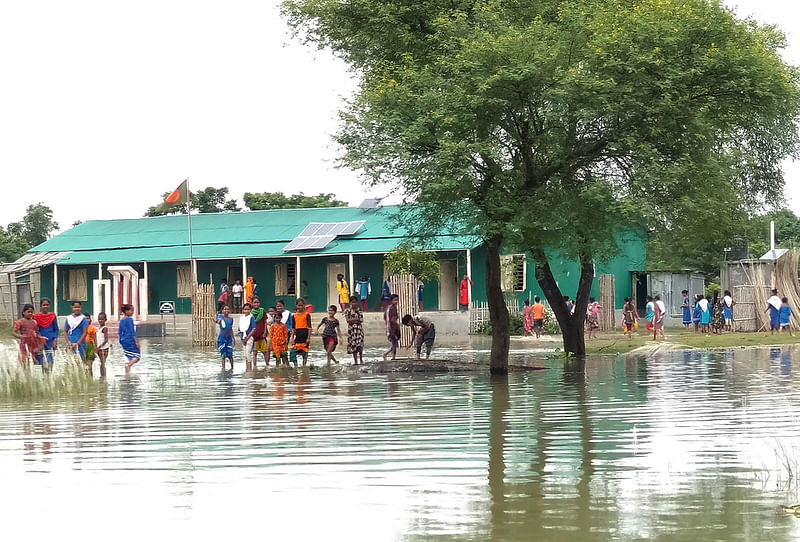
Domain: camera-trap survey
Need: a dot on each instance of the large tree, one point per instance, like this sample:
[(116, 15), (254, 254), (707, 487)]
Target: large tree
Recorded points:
[(207, 200), (554, 125), (36, 226), (262, 201), (11, 246)]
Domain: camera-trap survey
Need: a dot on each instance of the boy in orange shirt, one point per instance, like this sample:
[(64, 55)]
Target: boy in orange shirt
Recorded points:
[(538, 316), (301, 332)]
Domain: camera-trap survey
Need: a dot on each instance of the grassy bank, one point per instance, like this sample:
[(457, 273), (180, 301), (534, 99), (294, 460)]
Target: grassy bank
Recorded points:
[(613, 343), (6, 331)]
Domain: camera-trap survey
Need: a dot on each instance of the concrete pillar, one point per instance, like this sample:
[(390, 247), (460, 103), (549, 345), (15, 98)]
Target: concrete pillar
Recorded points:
[(297, 282), (55, 290), (469, 274), (352, 272), (244, 270)]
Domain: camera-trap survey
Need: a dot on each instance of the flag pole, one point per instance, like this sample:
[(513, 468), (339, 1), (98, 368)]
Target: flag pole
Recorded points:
[(192, 263)]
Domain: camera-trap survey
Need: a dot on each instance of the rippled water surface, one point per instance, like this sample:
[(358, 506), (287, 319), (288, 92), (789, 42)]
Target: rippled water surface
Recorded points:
[(679, 446)]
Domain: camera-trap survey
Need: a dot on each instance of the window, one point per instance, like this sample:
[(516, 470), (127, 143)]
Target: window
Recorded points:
[(514, 271), (75, 285), (285, 279), (184, 281)]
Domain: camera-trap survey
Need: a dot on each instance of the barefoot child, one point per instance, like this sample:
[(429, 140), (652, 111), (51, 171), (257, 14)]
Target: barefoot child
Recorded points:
[(26, 330), (48, 329), (127, 338), (278, 335), (629, 317), (423, 331), (246, 327), (355, 330), (300, 339), (392, 320), (786, 316), (75, 326), (102, 342), (90, 352), (225, 337), (332, 332), (592, 316)]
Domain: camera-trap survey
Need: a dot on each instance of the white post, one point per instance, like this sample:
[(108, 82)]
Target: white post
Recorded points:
[(352, 272), (469, 275), (55, 290), (115, 296), (297, 281), (144, 294), (194, 271), (772, 237), (244, 270)]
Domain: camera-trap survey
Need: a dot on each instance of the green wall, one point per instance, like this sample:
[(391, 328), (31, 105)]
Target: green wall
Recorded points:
[(162, 279)]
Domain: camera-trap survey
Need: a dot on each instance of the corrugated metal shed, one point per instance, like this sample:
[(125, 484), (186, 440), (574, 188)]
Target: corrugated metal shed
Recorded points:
[(257, 234)]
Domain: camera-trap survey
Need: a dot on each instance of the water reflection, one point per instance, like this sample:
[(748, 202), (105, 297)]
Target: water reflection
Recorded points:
[(685, 445)]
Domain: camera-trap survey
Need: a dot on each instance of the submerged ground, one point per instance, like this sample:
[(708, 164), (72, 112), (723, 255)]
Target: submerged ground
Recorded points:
[(674, 445)]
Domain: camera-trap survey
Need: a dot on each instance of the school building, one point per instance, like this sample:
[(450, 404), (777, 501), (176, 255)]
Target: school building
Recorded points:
[(147, 261)]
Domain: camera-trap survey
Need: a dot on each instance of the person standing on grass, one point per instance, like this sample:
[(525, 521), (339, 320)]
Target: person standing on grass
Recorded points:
[(727, 310), (332, 332), (686, 309), (238, 290), (128, 339), (392, 320), (355, 330), (48, 328), (649, 312), (463, 293), (629, 317), (592, 316), (225, 337), (75, 326), (26, 330), (717, 318), (705, 313), (774, 307), (659, 313), (102, 342), (538, 312), (423, 332), (698, 312), (786, 316)]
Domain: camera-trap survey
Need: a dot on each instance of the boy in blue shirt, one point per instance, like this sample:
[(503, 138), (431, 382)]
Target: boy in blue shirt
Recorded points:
[(127, 338), (225, 337), (786, 316)]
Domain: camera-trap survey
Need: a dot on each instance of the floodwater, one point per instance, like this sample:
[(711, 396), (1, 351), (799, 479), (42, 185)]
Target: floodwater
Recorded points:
[(677, 446)]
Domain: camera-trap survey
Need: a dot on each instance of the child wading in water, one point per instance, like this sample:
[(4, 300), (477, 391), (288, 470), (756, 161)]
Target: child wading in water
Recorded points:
[(278, 337), (90, 352), (332, 332), (300, 340), (75, 327), (127, 338), (48, 328), (246, 327), (423, 330), (355, 330), (258, 335), (26, 330), (225, 337), (102, 342)]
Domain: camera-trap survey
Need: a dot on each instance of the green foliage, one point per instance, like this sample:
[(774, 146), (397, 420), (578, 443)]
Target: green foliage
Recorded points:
[(713, 288), (405, 260), (11, 246), (261, 201), (36, 226), (207, 200), (517, 326)]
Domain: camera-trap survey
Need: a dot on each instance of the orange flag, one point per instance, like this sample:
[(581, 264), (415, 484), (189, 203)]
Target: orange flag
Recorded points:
[(179, 196)]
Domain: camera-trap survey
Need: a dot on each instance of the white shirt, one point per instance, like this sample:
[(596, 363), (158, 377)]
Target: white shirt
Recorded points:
[(244, 324), (285, 316), (237, 290), (775, 301), (703, 304), (662, 306), (728, 301)]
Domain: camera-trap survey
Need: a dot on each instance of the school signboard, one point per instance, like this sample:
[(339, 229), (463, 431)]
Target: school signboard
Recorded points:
[(166, 307)]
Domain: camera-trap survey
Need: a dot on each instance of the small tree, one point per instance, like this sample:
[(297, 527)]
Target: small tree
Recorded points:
[(405, 260), (207, 200)]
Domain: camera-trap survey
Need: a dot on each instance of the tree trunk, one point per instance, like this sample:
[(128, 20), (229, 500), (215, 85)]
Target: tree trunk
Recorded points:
[(572, 325), (498, 312)]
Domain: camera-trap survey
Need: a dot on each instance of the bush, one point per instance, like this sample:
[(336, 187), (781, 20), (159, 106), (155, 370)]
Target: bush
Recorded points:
[(517, 328)]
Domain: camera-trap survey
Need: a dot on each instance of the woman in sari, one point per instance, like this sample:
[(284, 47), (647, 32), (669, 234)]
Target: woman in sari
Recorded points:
[(527, 317)]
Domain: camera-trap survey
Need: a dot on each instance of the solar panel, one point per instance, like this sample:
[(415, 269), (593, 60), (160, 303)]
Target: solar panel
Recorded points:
[(318, 235), (311, 229), (311, 242)]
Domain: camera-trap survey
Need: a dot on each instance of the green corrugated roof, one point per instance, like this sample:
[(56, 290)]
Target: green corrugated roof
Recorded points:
[(257, 234)]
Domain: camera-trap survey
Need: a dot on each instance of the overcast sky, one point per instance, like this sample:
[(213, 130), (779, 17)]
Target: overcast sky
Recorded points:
[(105, 105)]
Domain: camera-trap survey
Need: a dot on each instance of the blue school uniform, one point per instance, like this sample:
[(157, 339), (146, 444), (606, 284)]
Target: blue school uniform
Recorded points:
[(705, 315), (127, 339), (51, 334), (225, 337), (75, 333), (774, 318), (785, 315), (697, 313), (687, 312)]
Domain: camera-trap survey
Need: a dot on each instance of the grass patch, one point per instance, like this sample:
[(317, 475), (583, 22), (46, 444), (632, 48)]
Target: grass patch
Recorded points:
[(6, 331), (18, 384), (613, 343)]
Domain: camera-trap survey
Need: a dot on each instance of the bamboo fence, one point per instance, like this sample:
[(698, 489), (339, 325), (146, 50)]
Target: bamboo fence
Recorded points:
[(204, 315), (607, 302), (479, 313)]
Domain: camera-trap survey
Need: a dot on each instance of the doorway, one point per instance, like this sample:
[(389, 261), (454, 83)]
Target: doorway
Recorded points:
[(234, 274), (334, 269), (448, 285)]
